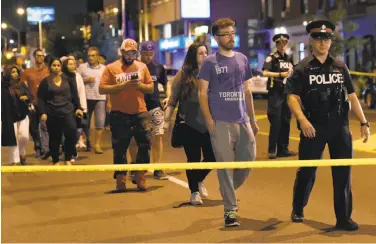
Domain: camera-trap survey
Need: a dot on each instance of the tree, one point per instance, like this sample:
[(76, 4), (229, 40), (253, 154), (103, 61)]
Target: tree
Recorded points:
[(340, 44)]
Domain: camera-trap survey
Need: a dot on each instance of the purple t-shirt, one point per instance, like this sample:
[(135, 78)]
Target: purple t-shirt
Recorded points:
[(226, 78)]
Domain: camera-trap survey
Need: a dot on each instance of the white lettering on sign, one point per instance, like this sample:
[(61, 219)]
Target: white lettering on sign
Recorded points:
[(326, 79)]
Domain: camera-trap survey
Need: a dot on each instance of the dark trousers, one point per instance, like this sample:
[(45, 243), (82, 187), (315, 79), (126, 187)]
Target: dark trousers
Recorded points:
[(34, 130), (56, 127), (123, 128), (194, 143), (340, 147), (38, 131), (279, 116)]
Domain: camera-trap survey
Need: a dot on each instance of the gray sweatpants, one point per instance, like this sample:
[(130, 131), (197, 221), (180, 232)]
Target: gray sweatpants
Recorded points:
[(232, 142)]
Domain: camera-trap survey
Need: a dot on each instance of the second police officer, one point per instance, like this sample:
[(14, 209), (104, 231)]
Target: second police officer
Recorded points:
[(277, 67), (320, 92)]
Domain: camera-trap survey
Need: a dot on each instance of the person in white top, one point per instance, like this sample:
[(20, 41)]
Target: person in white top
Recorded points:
[(69, 69), (91, 73)]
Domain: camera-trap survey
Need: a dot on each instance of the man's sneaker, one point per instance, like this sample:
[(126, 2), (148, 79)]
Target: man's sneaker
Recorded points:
[(196, 199), (202, 189), (98, 149), (286, 154), (272, 155), (160, 175), (45, 156), (74, 158), (231, 220), (297, 217), (348, 225)]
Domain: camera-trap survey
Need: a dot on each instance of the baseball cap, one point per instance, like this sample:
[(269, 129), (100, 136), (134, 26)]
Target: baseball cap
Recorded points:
[(147, 46), (128, 45)]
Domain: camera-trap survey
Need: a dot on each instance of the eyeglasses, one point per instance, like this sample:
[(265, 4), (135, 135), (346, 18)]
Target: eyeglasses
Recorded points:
[(39, 56), (284, 42), (227, 34), (130, 54)]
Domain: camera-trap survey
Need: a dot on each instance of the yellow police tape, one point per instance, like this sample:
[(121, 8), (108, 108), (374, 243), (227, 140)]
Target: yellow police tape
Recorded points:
[(362, 73), (183, 166)]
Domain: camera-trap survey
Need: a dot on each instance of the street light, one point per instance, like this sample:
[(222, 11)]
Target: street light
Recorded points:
[(20, 11), (11, 41), (5, 26), (116, 10)]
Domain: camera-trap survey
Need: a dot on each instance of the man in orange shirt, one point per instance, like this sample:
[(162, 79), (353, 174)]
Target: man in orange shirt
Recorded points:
[(127, 80), (38, 129)]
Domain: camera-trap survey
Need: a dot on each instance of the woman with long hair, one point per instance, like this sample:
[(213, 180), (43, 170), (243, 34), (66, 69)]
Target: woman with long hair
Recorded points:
[(184, 90), (15, 105), (69, 69), (59, 105)]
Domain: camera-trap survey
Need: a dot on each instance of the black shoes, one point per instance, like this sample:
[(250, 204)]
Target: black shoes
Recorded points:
[(272, 155), (283, 154), (286, 154), (348, 225), (297, 217)]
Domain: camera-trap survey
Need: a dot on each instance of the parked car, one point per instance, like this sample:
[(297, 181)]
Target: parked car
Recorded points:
[(258, 83)]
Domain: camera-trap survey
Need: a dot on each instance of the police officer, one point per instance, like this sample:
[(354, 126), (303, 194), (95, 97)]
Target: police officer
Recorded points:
[(319, 93), (277, 67)]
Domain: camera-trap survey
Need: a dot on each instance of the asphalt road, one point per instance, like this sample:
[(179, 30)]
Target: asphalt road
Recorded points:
[(78, 207)]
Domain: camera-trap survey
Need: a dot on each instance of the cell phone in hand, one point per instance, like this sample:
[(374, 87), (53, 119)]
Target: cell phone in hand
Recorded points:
[(134, 76)]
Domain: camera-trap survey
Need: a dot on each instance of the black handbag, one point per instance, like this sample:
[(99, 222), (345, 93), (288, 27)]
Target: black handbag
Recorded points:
[(177, 132), (82, 121)]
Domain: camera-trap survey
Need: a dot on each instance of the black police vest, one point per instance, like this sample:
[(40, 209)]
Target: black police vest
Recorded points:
[(279, 64), (326, 97)]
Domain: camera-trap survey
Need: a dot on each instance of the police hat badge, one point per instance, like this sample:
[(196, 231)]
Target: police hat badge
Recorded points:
[(323, 28)]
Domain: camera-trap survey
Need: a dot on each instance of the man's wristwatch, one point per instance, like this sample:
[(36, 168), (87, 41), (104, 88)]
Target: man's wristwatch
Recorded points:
[(365, 124)]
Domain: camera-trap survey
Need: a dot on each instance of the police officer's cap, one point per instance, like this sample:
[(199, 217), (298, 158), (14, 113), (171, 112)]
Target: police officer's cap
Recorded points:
[(321, 29), (280, 36)]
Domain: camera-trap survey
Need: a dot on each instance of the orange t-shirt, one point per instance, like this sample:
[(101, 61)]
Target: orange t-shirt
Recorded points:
[(32, 77), (130, 100)]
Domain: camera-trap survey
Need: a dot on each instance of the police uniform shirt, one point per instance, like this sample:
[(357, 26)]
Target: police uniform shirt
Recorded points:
[(158, 75), (310, 74), (275, 62)]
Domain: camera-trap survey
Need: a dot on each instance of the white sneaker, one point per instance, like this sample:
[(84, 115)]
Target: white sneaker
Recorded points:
[(74, 158), (196, 199), (81, 143), (201, 188)]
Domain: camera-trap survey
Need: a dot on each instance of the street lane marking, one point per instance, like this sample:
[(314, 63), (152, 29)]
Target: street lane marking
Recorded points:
[(175, 180)]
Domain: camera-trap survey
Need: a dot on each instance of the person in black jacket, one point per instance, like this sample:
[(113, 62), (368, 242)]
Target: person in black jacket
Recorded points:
[(58, 103), (15, 105)]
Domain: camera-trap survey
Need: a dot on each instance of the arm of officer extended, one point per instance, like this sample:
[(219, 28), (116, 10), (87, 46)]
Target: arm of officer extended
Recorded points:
[(294, 103), (268, 73), (357, 108)]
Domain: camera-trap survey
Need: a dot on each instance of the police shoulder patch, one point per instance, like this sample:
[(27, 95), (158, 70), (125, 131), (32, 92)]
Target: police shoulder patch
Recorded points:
[(276, 55), (268, 59)]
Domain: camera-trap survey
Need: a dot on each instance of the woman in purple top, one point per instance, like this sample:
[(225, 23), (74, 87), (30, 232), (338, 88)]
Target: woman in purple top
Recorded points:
[(184, 91)]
